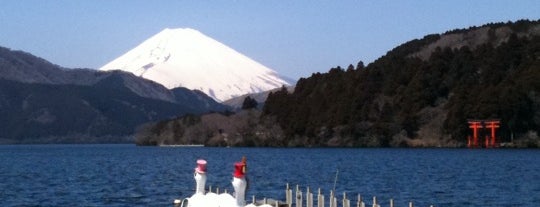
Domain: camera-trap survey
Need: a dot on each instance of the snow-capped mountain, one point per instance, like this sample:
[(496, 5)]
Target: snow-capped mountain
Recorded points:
[(188, 58)]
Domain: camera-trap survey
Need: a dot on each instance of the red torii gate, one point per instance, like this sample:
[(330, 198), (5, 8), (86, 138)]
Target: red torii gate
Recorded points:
[(491, 124), (474, 125)]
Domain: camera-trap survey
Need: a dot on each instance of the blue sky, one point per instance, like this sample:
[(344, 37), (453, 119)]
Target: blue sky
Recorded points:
[(295, 38)]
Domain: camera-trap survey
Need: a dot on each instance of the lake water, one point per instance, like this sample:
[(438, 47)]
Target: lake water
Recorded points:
[(126, 175)]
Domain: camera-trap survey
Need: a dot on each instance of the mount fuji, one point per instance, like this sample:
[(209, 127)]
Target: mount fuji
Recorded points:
[(187, 58)]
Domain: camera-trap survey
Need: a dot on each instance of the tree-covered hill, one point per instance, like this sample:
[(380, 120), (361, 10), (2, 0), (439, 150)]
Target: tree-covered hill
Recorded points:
[(408, 98), (420, 94)]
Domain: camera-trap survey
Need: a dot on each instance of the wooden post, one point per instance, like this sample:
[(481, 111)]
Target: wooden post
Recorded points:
[(331, 201), (309, 198), (374, 201), (411, 204), (217, 190), (391, 202), (288, 196), (346, 202), (298, 197), (320, 199), (253, 199), (359, 201), (264, 201)]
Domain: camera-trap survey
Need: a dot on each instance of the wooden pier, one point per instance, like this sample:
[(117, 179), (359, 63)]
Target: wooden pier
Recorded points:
[(308, 197)]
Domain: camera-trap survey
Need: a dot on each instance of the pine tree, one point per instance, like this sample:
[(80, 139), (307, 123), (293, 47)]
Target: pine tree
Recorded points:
[(249, 103)]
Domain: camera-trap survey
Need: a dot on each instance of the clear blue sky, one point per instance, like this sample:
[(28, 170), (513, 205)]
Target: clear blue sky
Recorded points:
[(296, 38)]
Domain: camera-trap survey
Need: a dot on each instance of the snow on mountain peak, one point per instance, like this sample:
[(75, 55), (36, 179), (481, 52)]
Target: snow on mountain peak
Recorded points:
[(187, 58)]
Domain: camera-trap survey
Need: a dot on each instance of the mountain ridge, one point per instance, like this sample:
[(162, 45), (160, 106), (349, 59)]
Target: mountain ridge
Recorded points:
[(188, 58), (496, 34), (41, 102)]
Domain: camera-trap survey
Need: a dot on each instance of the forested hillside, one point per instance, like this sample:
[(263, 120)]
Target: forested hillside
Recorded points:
[(406, 98), (420, 94)]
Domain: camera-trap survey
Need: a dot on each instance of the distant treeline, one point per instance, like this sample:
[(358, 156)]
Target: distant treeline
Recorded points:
[(403, 99)]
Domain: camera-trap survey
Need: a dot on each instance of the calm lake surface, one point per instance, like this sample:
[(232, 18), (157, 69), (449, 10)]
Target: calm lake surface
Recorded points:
[(126, 175)]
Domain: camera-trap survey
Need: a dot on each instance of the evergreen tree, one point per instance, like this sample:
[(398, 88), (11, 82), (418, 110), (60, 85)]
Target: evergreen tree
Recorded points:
[(249, 103)]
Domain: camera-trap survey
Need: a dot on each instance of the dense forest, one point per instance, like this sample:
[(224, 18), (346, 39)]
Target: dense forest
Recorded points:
[(402, 96), (420, 94)]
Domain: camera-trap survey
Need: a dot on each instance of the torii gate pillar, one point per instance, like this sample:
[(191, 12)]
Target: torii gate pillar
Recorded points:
[(475, 125), (492, 124)]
